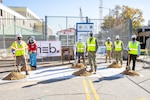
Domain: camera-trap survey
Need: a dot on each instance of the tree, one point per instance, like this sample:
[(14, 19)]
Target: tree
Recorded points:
[(120, 15)]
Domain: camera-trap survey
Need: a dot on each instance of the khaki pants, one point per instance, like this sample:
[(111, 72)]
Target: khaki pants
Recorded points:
[(21, 59), (92, 60), (118, 56), (108, 55)]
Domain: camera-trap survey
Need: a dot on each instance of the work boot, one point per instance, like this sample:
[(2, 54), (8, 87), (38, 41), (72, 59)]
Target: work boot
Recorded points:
[(18, 70), (27, 73), (128, 68), (117, 62), (95, 69), (121, 63)]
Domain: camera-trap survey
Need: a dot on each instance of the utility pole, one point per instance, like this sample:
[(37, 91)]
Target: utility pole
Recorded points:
[(81, 16), (100, 13)]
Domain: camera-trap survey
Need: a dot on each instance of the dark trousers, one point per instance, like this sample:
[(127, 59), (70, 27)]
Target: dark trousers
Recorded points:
[(81, 55), (133, 58)]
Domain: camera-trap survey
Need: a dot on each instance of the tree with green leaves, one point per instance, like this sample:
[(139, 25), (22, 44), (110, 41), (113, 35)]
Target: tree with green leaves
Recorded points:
[(120, 14)]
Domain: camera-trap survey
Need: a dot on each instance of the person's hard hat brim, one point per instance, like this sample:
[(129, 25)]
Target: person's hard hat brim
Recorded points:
[(133, 36)]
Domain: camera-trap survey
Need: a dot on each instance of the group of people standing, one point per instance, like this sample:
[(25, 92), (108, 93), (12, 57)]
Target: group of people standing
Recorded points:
[(20, 49), (116, 48), (113, 49)]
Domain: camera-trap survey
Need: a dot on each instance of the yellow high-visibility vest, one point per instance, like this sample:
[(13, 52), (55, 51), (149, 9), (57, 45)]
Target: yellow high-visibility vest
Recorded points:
[(133, 48), (118, 46), (108, 45), (80, 47), (91, 45), (19, 48)]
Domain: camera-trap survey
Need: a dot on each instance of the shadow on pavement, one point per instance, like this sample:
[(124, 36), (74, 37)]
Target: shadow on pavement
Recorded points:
[(109, 78), (102, 68), (6, 71), (57, 79)]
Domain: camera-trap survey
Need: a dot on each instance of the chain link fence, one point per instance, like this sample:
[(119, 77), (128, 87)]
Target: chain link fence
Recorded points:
[(123, 30), (61, 28), (9, 28)]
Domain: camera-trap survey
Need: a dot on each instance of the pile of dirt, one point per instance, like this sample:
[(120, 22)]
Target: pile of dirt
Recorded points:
[(130, 72), (82, 72), (114, 65), (14, 76), (79, 65), (29, 68), (33, 68)]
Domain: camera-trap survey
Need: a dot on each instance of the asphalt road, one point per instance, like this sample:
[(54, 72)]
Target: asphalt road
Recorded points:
[(57, 83)]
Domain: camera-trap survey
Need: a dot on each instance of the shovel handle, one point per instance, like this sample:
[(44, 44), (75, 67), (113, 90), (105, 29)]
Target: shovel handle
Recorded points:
[(14, 62), (128, 66)]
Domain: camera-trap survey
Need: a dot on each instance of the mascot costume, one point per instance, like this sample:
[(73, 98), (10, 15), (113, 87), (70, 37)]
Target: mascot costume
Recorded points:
[(32, 50)]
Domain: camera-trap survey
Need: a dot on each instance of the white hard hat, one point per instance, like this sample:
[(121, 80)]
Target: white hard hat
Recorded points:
[(19, 35), (133, 36), (117, 37), (108, 38)]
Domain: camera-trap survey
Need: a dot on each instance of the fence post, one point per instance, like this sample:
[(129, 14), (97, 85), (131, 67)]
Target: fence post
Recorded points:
[(46, 28), (130, 27)]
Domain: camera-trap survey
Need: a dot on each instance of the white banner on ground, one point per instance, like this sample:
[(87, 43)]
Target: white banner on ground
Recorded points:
[(49, 48)]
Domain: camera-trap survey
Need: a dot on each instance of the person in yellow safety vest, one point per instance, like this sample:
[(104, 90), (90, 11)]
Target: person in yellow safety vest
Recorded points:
[(92, 47), (108, 45), (80, 50), (20, 47), (118, 48), (133, 51)]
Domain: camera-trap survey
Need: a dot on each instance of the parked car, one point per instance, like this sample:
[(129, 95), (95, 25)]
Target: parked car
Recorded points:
[(101, 50)]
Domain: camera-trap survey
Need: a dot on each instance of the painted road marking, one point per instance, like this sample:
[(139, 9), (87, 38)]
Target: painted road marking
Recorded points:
[(96, 96), (88, 97), (86, 89), (141, 99)]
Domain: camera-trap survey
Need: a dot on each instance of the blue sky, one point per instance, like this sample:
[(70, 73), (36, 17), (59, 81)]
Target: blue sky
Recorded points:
[(90, 8)]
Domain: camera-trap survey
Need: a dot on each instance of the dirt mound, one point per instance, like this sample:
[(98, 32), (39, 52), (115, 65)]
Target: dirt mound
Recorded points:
[(130, 72), (14, 76), (79, 65), (82, 72), (29, 68), (114, 65), (33, 68)]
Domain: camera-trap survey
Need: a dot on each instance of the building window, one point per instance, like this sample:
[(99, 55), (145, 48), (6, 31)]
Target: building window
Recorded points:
[(23, 22), (1, 12)]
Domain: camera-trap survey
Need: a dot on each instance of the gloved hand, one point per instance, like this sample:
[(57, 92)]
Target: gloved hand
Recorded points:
[(13, 51)]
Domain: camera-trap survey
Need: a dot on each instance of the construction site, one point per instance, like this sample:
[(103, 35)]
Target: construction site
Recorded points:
[(58, 74)]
